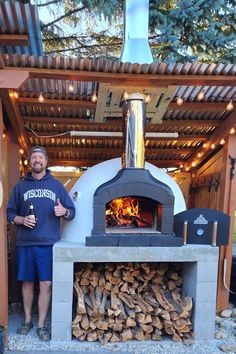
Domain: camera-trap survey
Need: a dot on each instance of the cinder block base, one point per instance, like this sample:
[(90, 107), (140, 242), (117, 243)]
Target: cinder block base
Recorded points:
[(200, 263)]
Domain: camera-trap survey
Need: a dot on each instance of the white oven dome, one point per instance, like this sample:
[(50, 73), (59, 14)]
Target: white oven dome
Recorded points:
[(81, 226)]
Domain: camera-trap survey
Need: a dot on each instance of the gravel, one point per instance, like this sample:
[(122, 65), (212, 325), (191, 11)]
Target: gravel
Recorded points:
[(225, 341)]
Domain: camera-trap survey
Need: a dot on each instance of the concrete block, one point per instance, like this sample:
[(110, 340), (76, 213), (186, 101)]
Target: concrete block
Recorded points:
[(206, 291), (61, 311), (202, 271), (61, 331), (63, 271), (204, 330), (62, 292)]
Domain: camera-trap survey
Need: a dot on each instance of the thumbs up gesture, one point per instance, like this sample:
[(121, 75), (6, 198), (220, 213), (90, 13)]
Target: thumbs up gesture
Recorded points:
[(59, 209)]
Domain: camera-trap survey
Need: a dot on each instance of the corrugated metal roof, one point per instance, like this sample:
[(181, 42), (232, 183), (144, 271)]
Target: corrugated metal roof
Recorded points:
[(18, 18), (102, 65)]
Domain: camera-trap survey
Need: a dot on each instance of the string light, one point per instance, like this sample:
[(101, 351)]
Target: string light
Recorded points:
[(201, 95), (213, 146), (25, 162), (232, 131), (199, 154), (16, 94), (147, 99), (193, 164), (204, 145), (230, 106), (222, 141), (94, 97), (41, 98), (21, 151), (125, 95), (71, 88), (179, 101)]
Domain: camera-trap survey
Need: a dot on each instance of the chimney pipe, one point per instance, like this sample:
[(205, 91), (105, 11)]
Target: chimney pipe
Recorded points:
[(136, 48), (134, 118)]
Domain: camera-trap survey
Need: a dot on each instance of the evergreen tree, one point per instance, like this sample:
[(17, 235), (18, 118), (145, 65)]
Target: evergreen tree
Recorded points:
[(179, 30)]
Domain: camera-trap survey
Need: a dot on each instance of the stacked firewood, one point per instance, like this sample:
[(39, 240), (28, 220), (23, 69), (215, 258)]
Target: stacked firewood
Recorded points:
[(118, 302)]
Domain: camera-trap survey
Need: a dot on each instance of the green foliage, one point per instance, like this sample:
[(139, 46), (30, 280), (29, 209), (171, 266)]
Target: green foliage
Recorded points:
[(179, 30)]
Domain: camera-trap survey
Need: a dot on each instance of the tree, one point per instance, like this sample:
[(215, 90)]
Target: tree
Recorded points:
[(180, 30)]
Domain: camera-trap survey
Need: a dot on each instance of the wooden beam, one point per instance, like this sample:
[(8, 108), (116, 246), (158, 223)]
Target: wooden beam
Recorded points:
[(49, 102), (12, 79), (101, 102), (164, 103), (92, 162), (14, 40), (127, 79), (227, 204), (198, 106), (221, 132), (104, 150), (62, 121), (16, 120), (3, 238)]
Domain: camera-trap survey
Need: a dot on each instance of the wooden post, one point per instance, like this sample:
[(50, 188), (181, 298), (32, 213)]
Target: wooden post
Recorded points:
[(227, 203), (3, 238)]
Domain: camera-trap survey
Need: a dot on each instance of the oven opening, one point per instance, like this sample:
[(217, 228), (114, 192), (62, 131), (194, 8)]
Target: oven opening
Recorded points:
[(133, 214)]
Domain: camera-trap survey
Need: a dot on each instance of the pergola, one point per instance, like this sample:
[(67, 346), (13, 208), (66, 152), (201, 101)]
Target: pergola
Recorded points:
[(72, 107)]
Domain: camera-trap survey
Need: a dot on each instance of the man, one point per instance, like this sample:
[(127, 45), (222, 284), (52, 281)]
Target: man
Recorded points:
[(50, 201)]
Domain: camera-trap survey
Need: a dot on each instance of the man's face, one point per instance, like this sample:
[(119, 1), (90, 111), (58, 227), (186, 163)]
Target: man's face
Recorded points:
[(38, 162)]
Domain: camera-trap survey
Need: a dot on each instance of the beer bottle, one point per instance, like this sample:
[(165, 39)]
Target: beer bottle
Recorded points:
[(32, 214)]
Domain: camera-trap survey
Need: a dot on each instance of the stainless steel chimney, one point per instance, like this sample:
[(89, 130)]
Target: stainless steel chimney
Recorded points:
[(134, 118), (136, 48)]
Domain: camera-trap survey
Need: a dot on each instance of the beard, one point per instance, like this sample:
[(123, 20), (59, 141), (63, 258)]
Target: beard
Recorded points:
[(38, 168)]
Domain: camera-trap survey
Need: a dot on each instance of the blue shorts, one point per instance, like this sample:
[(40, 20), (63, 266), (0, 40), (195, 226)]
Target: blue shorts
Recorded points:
[(34, 262)]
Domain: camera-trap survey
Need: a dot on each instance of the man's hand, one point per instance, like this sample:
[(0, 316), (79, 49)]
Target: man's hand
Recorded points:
[(59, 209), (25, 220)]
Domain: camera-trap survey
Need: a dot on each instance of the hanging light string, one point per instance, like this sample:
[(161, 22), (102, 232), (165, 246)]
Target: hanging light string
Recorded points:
[(210, 99)]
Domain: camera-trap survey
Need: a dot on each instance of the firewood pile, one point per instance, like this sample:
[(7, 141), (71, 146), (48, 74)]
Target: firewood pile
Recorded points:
[(117, 302)]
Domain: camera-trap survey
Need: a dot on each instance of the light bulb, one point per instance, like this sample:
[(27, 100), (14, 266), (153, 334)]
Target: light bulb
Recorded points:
[(222, 141), (21, 151), (193, 164), (94, 98), (71, 88), (25, 162), (147, 99), (230, 106), (16, 94), (201, 95), (179, 101), (213, 146), (125, 95), (232, 131), (41, 98)]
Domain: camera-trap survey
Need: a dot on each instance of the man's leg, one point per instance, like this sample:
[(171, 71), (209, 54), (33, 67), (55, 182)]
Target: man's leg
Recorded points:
[(28, 296), (45, 289)]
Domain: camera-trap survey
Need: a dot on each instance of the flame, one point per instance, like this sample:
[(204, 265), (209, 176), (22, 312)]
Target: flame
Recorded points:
[(123, 206), (121, 211)]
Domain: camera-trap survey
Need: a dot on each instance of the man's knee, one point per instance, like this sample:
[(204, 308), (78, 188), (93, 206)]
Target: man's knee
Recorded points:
[(45, 285)]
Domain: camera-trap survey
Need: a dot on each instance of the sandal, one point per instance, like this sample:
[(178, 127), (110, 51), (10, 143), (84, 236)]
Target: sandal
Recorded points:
[(25, 328), (43, 333)]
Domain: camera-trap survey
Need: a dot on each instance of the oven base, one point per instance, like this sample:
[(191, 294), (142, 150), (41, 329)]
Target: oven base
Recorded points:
[(137, 240)]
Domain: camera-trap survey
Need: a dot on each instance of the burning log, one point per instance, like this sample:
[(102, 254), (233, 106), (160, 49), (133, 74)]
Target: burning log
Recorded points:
[(120, 302)]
